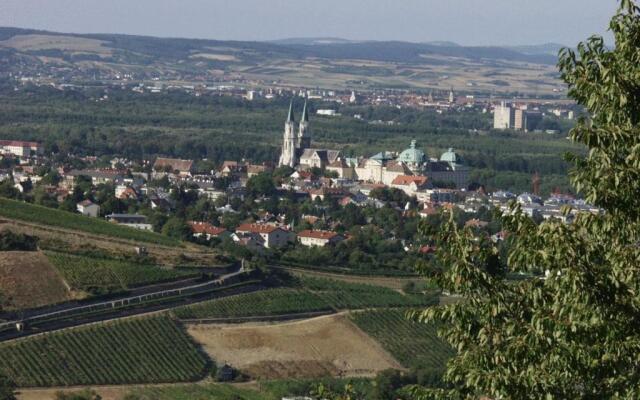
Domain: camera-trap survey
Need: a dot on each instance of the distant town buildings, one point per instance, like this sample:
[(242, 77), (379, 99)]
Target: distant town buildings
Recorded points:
[(506, 116), (21, 148)]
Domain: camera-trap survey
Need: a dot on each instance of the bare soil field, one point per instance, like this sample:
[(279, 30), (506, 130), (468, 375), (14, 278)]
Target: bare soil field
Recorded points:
[(27, 279), (323, 346)]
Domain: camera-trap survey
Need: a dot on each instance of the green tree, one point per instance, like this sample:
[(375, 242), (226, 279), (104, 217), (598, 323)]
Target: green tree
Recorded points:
[(261, 185), (575, 334), (176, 228)]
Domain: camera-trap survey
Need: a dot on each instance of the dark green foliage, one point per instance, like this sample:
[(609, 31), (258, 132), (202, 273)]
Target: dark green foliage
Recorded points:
[(147, 350), (17, 241), (574, 334)]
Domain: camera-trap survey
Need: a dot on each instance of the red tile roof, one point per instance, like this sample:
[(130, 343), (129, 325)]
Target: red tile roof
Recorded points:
[(18, 143), (206, 228), (317, 234), (257, 228), (174, 164), (407, 180)]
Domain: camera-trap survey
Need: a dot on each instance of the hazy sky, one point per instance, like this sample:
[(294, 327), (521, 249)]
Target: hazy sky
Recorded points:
[(471, 22)]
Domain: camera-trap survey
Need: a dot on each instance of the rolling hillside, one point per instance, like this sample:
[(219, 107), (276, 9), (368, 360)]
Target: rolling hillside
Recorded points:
[(328, 63)]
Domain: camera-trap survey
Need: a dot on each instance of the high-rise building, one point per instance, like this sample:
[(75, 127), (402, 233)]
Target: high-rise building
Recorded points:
[(503, 117)]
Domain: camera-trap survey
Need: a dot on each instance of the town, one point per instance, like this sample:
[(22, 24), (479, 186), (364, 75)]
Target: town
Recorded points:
[(310, 197)]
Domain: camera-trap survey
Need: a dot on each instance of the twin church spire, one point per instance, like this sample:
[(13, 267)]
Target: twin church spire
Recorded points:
[(293, 143)]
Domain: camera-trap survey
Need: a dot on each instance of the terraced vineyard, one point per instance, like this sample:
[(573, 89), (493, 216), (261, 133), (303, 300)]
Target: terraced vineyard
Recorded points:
[(345, 295), (147, 350), (411, 343), (311, 294), (103, 274), (268, 302), (63, 219)]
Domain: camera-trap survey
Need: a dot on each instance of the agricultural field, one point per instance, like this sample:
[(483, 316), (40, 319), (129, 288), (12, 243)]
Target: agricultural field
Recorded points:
[(102, 275), (27, 279), (318, 347), (310, 294), (269, 302), (63, 219), (149, 350), (346, 295), (415, 345)]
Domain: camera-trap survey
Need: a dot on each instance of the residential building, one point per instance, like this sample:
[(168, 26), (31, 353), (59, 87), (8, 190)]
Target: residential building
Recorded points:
[(21, 148), (273, 236), (318, 238), (207, 230), (88, 208), (136, 221), (173, 166)]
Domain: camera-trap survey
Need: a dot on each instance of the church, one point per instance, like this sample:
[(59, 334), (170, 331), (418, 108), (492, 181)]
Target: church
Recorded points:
[(296, 146)]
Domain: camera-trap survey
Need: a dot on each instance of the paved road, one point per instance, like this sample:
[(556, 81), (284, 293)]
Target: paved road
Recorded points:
[(144, 301)]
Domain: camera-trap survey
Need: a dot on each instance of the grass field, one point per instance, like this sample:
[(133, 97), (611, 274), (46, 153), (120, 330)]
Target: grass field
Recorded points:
[(147, 350), (103, 274), (413, 344), (63, 219)]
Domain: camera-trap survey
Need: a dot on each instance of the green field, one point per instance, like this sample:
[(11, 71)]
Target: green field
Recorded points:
[(103, 274), (63, 219), (147, 350), (415, 345), (268, 302), (345, 295), (311, 294)]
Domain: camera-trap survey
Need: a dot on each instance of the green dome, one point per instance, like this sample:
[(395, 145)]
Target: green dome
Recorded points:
[(450, 156), (412, 155)]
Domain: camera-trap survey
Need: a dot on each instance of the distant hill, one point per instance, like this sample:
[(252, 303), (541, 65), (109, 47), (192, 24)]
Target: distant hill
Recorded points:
[(325, 61), (550, 49)]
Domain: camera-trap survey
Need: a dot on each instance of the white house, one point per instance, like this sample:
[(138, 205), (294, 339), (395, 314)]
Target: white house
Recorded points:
[(273, 236), (318, 238), (88, 208)]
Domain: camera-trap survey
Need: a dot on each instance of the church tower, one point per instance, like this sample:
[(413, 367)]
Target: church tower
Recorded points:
[(304, 137), (289, 154)]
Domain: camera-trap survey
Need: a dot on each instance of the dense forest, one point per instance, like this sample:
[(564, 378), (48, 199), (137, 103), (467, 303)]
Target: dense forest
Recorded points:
[(218, 128)]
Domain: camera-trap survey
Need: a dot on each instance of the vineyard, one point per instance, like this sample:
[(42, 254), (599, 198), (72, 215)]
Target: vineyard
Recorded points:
[(268, 302), (147, 350), (310, 294), (415, 345), (345, 295), (106, 275), (63, 219)]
